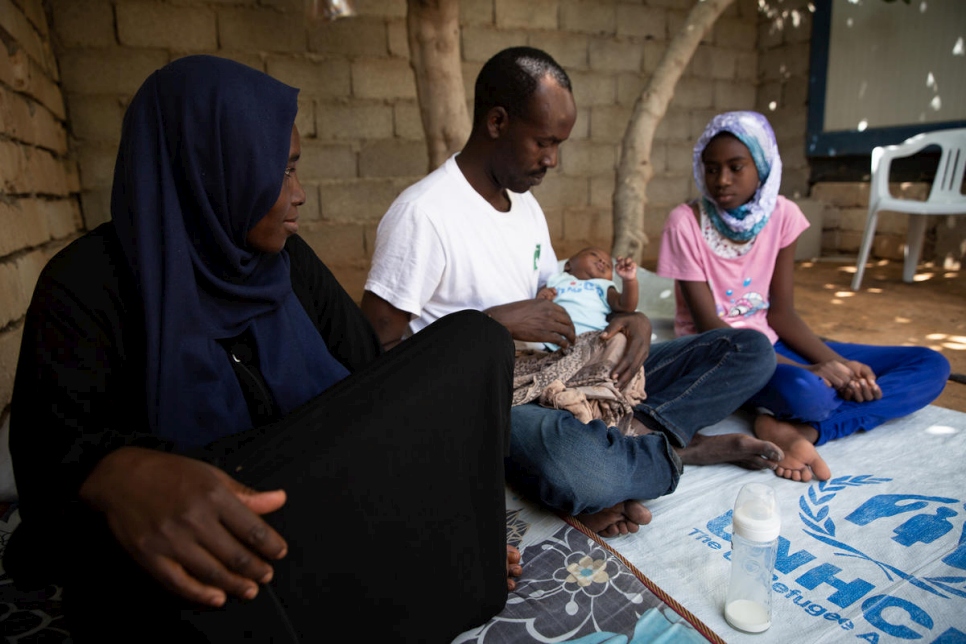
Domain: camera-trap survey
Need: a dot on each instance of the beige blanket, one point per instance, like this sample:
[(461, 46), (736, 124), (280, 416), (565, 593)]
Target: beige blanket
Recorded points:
[(579, 381)]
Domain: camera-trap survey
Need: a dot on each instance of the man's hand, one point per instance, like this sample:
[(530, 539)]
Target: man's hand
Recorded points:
[(190, 525), (536, 321), (637, 327)]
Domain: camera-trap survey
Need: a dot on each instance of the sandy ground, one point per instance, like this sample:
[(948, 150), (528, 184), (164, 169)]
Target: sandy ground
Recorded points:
[(928, 312)]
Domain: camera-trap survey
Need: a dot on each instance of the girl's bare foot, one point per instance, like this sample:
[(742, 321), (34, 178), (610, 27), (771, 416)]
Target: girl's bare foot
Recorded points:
[(513, 567), (623, 518), (742, 450), (797, 440)]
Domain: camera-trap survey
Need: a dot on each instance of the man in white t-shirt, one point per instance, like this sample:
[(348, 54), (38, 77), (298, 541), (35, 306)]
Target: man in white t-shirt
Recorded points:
[(471, 235)]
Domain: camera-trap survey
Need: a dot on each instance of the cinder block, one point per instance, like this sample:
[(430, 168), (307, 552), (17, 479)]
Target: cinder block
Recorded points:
[(675, 126), (96, 165), (588, 227), (305, 119), (388, 8), (113, 71), (809, 244), (359, 36), (259, 29), (83, 23), (771, 33), (322, 162), (533, 14), (607, 55), (588, 17), (730, 95), (96, 207), (795, 92), (567, 48), (23, 225), (630, 85), (355, 121), (398, 39), (559, 191), (746, 65), (474, 13), (593, 88), (382, 79), (769, 97), (680, 159), (149, 24), (393, 158), (314, 77), (407, 122), (795, 182), (690, 93), (587, 159), (581, 128), (842, 194), (641, 21), (602, 190), (736, 33), (668, 188), (20, 30), (31, 123), (34, 11), (653, 54), (336, 243), (63, 216), (360, 201), (609, 122), (24, 75), (96, 118), (677, 18), (481, 43), (311, 210), (9, 352)]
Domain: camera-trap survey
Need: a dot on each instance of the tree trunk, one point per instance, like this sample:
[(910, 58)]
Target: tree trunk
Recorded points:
[(434, 54), (635, 170)]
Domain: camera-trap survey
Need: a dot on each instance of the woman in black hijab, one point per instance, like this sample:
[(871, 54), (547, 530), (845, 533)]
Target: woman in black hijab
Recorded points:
[(194, 350)]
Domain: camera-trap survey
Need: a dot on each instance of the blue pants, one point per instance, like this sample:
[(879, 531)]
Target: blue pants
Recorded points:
[(691, 382), (910, 379)]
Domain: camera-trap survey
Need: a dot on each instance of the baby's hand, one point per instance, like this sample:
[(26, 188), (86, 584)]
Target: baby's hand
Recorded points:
[(547, 293), (626, 268)]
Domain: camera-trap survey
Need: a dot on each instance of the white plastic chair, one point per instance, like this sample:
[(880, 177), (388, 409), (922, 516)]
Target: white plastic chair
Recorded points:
[(945, 196)]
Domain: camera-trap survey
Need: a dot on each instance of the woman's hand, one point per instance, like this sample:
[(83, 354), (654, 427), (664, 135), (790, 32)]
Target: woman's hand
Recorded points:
[(190, 525), (637, 327), (852, 380), (536, 320)]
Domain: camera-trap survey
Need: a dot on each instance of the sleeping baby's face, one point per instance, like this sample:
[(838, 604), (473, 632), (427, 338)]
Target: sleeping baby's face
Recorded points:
[(590, 263)]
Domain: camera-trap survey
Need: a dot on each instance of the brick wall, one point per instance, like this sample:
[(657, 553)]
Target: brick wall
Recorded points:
[(39, 210)]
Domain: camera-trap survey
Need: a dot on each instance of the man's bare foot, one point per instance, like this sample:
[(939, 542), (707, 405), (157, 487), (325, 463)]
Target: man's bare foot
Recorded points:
[(797, 440), (513, 567), (623, 518), (741, 449)]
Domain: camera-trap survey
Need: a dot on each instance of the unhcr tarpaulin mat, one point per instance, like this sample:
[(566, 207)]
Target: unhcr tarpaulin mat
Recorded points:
[(876, 554)]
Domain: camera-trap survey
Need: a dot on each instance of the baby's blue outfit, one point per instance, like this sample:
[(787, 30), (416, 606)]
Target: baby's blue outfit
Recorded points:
[(584, 300)]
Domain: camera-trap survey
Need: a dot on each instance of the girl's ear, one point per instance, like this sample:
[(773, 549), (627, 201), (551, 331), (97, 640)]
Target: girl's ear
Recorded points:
[(497, 120)]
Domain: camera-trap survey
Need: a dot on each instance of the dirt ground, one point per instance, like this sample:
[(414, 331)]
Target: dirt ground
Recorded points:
[(929, 312)]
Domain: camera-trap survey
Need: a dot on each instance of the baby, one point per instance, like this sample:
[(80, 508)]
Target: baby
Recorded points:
[(585, 288), (578, 380)]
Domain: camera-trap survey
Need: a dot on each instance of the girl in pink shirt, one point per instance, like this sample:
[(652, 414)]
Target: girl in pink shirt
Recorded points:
[(731, 253)]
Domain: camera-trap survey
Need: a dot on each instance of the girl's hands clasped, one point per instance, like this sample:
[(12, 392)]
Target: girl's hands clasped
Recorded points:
[(851, 379), (190, 525)]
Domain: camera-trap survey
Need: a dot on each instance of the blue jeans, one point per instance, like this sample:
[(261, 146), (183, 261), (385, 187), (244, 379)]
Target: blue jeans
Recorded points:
[(910, 379), (691, 382)]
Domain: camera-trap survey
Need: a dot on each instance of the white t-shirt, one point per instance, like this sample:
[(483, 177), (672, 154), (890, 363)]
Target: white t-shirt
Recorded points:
[(442, 248)]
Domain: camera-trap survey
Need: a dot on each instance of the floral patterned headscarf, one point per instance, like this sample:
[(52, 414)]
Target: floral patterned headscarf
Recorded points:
[(751, 128)]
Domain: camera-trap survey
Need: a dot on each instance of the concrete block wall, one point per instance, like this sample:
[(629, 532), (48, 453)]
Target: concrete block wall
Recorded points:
[(361, 134), (39, 208)]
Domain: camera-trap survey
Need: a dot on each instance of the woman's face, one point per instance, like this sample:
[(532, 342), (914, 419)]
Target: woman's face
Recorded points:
[(729, 171), (272, 230)]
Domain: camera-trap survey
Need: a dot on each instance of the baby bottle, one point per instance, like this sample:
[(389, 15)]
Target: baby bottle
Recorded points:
[(754, 542)]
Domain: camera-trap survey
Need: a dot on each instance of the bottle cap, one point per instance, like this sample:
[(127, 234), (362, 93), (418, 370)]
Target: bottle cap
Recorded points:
[(756, 516)]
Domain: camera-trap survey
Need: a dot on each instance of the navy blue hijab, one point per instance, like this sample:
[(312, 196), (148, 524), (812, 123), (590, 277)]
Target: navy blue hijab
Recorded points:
[(203, 152)]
